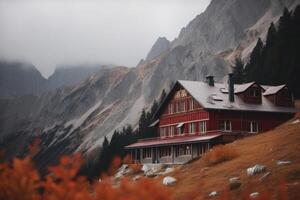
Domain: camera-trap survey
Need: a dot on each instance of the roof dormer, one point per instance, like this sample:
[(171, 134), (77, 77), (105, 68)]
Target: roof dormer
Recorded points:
[(279, 95), (252, 94)]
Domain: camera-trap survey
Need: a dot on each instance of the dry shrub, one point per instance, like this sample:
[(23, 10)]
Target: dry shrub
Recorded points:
[(218, 154), (135, 167), (19, 180), (114, 165)]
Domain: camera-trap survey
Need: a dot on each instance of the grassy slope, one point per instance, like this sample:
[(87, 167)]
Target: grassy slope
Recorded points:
[(282, 143)]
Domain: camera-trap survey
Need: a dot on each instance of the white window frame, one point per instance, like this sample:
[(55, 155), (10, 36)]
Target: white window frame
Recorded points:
[(255, 92), (227, 125), (163, 132), (202, 127), (251, 126), (171, 131), (192, 128), (191, 104)]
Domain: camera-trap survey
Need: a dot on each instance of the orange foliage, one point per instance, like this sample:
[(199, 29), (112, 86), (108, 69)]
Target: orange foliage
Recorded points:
[(219, 154), (21, 181), (114, 165), (135, 167)]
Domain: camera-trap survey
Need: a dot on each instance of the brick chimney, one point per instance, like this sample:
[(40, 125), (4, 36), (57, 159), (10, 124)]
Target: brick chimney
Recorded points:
[(210, 80)]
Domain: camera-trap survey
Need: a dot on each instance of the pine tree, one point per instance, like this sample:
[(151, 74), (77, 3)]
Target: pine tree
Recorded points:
[(271, 36), (162, 96), (238, 71), (154, 108), (253, 67)]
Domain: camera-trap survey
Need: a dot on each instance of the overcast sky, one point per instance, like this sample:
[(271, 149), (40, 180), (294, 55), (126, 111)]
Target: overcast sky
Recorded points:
[(54, 32)]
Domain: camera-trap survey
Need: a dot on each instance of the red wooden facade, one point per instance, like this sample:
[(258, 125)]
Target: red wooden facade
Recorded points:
[(183, 115)]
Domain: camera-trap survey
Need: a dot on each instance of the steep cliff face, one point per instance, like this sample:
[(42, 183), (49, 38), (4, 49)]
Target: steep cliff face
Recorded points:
[(78, 117), (71, 75), (161, 45)]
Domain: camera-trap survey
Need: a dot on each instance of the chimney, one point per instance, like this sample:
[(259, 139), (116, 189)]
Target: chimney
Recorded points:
[(230, 87), (210, 80)]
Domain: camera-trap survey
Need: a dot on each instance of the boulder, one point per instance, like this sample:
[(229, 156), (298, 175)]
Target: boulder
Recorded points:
[(151, 170), (213, 194), (169, 180), (256, 169), (283, 162), (254, 195), (169, 170), (123, 170), (234, 183)]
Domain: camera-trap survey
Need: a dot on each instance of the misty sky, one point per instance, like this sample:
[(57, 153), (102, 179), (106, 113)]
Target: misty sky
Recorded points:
[(55, 32)]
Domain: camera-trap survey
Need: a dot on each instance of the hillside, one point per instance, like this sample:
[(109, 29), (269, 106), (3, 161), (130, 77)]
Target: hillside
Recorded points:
[(196, 180), (77, 118)]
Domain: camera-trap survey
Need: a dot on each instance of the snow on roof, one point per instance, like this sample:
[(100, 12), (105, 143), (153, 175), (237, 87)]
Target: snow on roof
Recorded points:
[(203, 93), (273, 89), (174, 140)]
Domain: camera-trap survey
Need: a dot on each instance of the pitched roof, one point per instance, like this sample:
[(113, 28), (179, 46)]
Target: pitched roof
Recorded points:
[(216, 97), (174, 140), (273, 89)]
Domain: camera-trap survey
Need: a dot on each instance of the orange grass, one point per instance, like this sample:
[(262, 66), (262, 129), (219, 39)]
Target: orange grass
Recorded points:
[(218, 154)]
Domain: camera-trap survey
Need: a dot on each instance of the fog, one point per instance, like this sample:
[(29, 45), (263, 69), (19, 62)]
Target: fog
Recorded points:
[(48, 33)]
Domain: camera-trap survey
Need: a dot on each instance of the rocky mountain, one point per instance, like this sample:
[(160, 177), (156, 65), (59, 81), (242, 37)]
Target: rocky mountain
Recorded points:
[(161, 45), (17, 78), (70, 75), (77, 118)]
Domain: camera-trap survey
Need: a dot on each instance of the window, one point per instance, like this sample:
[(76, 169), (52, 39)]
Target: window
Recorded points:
[(177, 107), (171, 131), (180, 128), (181, 106), (255, 92), (191, 104), (163, 132), (147, 153), (192, 128), (202, 126), (225, 125), (165, 152), (183, 150), (253, 127), (170, 109)]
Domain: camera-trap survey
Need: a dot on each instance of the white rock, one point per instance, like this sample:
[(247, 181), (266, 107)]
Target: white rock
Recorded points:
[(283, 162), (137, 177), (169, 180), (255, 170), (295, 121), (254, 195), (169, 170), (151, 170), (234, 179), (213, 194), (123, 170)]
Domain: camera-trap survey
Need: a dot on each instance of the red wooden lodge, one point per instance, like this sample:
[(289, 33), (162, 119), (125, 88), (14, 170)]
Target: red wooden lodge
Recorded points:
[(196, 116)]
